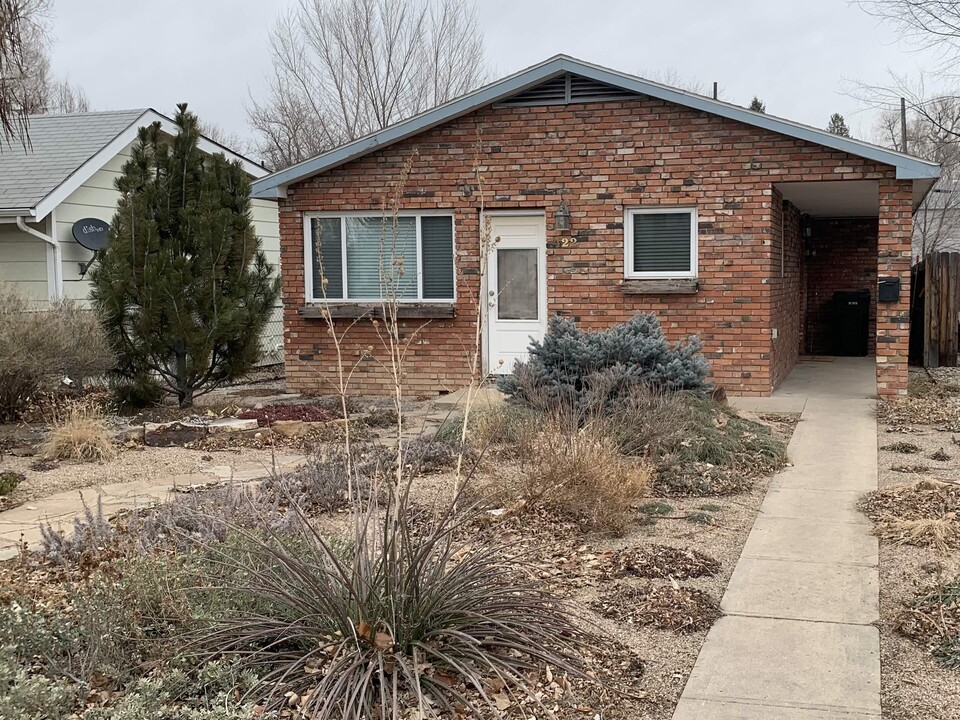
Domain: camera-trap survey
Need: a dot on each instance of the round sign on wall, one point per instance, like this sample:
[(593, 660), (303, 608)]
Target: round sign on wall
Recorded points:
[(91, 233)]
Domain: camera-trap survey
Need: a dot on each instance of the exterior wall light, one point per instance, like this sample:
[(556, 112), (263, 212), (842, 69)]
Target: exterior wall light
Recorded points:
[(561, 219)]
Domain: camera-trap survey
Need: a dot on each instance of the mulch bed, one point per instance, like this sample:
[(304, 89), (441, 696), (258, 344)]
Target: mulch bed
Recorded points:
[(269, 414), (924, 513), (668, 607)]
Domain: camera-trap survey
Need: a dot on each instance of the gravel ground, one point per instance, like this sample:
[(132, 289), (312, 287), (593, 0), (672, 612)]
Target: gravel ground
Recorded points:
[(132, 464), (913, 686)]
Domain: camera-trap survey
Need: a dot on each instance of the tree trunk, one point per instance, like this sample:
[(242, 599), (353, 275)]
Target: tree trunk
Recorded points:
[(184, 390)]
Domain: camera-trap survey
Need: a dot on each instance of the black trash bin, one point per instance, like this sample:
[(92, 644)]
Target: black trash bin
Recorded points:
[(851, 322)]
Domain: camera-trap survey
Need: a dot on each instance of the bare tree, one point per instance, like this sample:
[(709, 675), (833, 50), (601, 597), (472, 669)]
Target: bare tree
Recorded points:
[(62, 96), (345, 68), (30, 84), (672, 77), (230, 140), (23, 26), (933, 135), (927, 24)]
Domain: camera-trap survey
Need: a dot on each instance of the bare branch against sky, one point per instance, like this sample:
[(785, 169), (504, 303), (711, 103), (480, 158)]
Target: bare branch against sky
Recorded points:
[(23, 32), (343, 68)]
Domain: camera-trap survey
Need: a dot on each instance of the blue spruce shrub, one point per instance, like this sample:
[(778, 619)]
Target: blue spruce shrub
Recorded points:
[(570, 364)]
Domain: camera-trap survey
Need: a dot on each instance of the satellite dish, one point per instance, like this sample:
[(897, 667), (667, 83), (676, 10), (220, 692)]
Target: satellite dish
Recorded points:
[(91, 233)]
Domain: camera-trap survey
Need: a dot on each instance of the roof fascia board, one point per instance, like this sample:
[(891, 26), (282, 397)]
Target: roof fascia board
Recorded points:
[(82, 174), (907, 167)]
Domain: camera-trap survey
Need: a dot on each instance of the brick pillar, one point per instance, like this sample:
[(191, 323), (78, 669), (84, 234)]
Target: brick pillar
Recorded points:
[(893, 260)]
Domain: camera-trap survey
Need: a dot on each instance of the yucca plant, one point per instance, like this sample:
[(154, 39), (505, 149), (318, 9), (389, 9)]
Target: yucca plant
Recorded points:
[(398, 620)]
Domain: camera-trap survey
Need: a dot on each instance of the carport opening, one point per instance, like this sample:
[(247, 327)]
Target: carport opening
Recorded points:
[(839, 229)]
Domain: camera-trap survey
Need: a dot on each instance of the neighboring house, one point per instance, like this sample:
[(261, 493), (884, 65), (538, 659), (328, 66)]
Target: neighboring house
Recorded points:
[(66, 174), (729, 224), (936, 224)]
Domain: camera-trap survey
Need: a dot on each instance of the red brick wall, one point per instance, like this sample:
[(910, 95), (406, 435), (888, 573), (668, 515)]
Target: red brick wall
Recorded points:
[(843, 256), (787, 287), (599, 158), (893, 260)]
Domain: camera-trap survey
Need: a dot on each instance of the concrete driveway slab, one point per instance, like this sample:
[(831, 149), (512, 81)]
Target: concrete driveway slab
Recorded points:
[(805, 665), (803, 591)]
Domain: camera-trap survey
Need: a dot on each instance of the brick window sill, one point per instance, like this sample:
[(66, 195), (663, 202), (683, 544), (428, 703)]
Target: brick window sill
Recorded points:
[(684, 286), (375, 310)]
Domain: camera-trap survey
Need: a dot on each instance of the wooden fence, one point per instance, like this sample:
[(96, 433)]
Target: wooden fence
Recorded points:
[(941, 309)]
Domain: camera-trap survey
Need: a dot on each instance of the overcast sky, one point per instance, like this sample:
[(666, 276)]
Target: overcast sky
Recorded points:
[(214, 54)]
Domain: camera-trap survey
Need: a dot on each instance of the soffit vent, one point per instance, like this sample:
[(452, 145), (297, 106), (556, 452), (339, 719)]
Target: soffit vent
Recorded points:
[(567, 89)]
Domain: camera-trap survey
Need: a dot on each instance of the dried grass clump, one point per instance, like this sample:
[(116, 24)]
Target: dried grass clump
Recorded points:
[(581, 474), (923, 513), (669, 607), (942, 534), (80, 434)]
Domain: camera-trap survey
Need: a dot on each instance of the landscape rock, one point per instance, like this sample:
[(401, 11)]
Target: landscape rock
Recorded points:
[(228, 425), (172, 433)]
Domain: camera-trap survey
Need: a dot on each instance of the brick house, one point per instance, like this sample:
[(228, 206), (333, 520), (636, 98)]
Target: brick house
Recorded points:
[(608, 195)]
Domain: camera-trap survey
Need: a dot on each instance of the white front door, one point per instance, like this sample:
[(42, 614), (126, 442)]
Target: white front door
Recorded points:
[(516, 289)]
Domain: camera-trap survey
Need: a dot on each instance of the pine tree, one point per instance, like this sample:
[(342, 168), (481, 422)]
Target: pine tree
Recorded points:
[(757, 105), (183, 288), (838, 126)]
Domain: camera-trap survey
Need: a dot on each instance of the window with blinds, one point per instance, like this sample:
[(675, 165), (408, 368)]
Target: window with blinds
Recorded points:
[(362, 258), (661, 243)]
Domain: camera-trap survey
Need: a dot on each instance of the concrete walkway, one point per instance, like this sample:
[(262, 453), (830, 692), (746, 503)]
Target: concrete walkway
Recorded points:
[(22, 524), (796, 641)]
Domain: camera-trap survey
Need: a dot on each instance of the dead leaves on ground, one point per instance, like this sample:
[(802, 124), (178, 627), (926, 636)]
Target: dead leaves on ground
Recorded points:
[(668, 607)]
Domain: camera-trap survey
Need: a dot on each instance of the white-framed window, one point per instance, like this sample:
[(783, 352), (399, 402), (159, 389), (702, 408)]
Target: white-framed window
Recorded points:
[(660, 242), (366, 257)]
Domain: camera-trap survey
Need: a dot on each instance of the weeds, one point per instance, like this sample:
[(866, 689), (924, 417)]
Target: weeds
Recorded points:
[(9, 480), (933, 619), (905, 448), (656, 508)]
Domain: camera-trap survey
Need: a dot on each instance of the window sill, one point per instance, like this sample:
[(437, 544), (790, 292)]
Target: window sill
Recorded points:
[(422, 310), (650, 286)]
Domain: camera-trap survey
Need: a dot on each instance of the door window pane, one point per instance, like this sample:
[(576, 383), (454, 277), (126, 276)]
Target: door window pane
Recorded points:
[(517, 282)]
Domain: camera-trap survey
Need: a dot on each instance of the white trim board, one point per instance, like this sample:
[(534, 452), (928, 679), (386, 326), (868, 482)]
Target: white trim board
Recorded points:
[(83, 173)]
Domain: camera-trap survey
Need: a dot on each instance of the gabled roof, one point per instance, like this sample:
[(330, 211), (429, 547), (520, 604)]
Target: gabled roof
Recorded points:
[(66, 150), (274, 186)]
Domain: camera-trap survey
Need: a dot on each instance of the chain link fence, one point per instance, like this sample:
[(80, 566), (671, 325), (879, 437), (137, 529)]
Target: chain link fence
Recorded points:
[(271, 343)]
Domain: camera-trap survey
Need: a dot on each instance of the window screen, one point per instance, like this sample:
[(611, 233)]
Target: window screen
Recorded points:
[(436, 242), (662, 242), (371, 257)]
